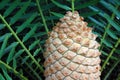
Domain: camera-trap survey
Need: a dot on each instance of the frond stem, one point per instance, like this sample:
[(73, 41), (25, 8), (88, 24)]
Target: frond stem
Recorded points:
[(110, 54), (73, 8), (43, 18)]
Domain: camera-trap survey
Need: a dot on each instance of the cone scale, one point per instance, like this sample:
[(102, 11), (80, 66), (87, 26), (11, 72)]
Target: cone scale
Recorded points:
[(72, 51)]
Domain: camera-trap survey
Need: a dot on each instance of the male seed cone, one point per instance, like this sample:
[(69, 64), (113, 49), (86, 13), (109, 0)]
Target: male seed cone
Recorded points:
[(72, 51)]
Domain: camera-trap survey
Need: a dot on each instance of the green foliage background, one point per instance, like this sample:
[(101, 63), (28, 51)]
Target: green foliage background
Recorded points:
[(25, 24)]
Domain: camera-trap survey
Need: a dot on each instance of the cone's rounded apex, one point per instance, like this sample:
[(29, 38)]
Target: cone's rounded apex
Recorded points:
[(71, 16)]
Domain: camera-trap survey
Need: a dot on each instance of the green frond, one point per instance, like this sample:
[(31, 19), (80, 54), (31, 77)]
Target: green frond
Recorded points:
[(6, 74), (10, 56), (86, 4), (26, 23), (4, 44), (57, 14), (19, 13), (2, 77), (61, 5), (11, 8)]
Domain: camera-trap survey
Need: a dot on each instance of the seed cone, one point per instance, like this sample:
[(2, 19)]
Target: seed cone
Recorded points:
[(72, 51)]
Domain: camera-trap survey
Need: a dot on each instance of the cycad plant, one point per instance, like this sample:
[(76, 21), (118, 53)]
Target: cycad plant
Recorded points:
[(25, 26)]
